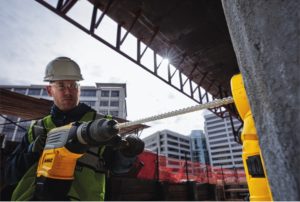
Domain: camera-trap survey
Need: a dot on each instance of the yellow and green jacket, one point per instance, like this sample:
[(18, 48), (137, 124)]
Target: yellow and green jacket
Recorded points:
[(89, 176)]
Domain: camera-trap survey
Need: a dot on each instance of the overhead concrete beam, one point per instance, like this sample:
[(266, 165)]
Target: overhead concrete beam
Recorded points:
[(266, 39)]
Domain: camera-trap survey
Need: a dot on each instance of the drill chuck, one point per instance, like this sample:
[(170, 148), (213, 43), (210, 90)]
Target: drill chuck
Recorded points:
[(96, 133)]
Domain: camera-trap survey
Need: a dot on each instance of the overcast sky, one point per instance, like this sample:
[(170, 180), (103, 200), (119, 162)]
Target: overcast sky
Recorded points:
[(32, 35)]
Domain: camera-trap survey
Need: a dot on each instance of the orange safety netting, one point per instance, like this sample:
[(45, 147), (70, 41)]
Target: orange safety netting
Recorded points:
[(174, 170)]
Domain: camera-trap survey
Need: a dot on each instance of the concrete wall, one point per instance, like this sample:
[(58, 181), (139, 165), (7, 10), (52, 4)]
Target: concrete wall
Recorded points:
[(266, 39)]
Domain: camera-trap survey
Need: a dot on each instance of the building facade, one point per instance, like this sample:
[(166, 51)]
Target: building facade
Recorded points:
[(169, 144), (223, 150), (105, 98), (199, 147)]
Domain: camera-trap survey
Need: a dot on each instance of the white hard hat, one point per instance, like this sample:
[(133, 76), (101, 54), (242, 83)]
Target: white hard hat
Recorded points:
[(62, 68)]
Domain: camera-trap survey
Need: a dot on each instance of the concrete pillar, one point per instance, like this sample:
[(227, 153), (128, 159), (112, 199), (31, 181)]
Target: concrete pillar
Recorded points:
[(266, 39)]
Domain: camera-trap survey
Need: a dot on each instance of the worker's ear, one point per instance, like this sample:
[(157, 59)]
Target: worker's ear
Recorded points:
[(49, 90)]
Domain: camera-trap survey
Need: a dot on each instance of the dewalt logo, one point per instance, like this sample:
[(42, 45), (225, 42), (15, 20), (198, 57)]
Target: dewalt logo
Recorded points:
[(48, 160)]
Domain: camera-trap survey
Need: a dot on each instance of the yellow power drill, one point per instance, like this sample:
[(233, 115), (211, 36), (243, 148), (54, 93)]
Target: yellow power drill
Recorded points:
[(257, 180), (64, 145)]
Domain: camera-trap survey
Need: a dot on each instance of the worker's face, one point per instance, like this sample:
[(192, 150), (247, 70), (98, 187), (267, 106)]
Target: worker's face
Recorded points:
[(65, 94)]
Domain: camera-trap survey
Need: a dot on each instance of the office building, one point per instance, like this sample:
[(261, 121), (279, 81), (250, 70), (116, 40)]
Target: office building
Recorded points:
[(105, 98), (199, 147), (223, 150), (170, 144)]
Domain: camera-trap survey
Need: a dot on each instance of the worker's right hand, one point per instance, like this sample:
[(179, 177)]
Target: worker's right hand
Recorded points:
[(39, 142), (134, 146)]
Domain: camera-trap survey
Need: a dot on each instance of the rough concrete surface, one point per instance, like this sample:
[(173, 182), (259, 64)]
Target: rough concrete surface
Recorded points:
[(266, 39)]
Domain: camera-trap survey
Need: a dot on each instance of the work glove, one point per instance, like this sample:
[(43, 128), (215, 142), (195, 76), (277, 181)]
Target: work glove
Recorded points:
[(39, 142), (134, 146)]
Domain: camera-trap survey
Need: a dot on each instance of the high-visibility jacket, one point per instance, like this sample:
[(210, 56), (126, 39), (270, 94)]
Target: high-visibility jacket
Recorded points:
[(89, 176)]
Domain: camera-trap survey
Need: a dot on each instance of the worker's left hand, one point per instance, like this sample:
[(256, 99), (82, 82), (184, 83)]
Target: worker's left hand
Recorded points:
[(39, 143), (134, 146)]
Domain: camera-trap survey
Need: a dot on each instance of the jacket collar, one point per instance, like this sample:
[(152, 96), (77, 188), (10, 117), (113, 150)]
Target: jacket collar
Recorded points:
[(61, 118)]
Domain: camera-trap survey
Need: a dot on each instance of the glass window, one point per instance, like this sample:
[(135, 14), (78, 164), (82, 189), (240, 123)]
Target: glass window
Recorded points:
[(20, 90), (217, 137), (34, 91), (171, 137), (44, 93), (115, 93), (114, 113), (114, 103), (172, 143), (90, 103), (237, 150), (88, 93), (173, 149), (184, 146), (105, 112), (104, 103), (105, 93), (219, 142), (183, 140), (220, 147)]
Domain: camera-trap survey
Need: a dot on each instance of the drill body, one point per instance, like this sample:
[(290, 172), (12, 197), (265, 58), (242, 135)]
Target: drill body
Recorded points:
[(64, 145)]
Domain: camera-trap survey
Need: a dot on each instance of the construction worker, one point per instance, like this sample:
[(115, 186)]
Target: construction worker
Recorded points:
[(63, 75)]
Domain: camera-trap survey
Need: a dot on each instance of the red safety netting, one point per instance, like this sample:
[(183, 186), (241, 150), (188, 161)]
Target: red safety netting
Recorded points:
[(174, 170)]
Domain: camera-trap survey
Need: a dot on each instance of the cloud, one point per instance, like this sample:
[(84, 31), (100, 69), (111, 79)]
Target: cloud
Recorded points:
[(31, 36)]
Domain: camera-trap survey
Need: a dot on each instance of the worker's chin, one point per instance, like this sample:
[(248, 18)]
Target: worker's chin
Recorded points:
[(67, 106)]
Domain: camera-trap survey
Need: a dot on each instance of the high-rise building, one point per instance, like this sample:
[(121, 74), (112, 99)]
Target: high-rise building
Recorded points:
[(199, 147), (105, 98), (170, 144), (223, 150)]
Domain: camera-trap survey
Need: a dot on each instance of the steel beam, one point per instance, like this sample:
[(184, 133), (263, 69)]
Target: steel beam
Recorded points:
[(64, 6)]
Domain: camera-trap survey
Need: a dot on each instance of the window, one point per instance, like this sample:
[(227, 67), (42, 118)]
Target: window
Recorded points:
[(20, 90), (104, 103), (184, 146), (171, 137), (219, 142), (237, 150), (221, 158), (115, 93), (217, 137), (114, 113), (90, 103), (114, 103), (34, 91), (221, 152), (103, 112), (44, 93), (237, 156), (88, 93), (105, 93), (172, 143), (222, 164), (213, 131), (183, 140), (172, 149), (220, 147)]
